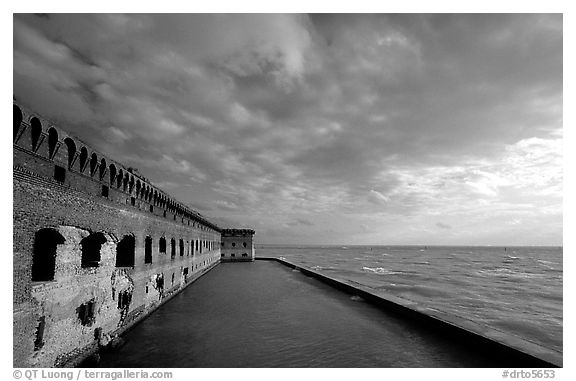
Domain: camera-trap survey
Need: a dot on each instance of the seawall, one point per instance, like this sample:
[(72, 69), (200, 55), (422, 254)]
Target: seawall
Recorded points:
[(460, 330)]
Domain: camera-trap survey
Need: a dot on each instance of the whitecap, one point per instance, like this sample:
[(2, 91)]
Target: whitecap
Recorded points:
[(378, 270)]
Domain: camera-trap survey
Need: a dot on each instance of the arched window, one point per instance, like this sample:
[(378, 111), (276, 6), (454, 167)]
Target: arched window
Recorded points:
[(112, 174), (131, 184), (17, 120), (148, 249), (71, 146), (52, 140), (44, 254), (36, 131), (181, 247), (83, 158), (172, 248), (91, 246), (244, 244), (162, 245), (93, 164), (102, 169), (125, 251), (137, 187)]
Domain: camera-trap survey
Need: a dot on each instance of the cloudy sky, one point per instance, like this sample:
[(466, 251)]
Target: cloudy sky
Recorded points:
[(344, 129)]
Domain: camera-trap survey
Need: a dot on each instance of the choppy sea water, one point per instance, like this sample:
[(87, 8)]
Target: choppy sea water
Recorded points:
[(517, 290)]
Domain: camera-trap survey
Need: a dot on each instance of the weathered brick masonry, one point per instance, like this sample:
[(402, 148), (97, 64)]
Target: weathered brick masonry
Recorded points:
[(96, 245)]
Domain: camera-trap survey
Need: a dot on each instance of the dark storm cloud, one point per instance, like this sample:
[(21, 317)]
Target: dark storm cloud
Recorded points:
[(267, 115)]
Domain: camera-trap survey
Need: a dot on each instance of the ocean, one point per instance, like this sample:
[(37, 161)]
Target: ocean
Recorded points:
[(517, 290)]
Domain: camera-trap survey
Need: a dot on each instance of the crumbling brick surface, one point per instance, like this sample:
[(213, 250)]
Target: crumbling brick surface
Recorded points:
[(55, 320)]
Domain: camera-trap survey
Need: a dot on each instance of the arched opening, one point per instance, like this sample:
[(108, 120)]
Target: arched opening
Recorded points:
[(181, 247), (102, 169), (112, 174), (36, 131), (93, 164), (172, 248), (71, 147), (162, 245), (17, 114), (52, 140), (83, 158), (91, 246), (44, 254), (137, 188), (125, 251), (148, 249), (131, 184)]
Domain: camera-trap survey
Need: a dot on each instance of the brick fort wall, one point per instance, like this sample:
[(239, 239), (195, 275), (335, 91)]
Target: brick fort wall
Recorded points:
[(96, 245)]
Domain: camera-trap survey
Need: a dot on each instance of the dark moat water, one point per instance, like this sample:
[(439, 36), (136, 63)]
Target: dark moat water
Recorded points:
[(263, 314)]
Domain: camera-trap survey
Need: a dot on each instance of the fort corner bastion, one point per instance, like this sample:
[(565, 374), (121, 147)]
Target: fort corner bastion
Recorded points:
[(96, 246)]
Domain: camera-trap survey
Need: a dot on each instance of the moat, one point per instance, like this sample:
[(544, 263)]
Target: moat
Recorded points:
[(286, 320)]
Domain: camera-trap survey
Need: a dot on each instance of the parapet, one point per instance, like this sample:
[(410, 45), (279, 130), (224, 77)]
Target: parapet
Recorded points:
[(52, 152), (237, 232)]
